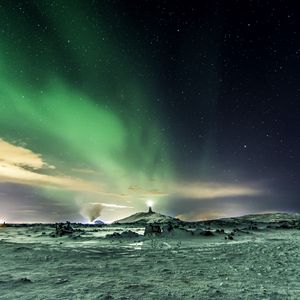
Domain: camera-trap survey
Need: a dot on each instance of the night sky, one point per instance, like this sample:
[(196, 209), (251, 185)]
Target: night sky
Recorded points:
[(105, 105)]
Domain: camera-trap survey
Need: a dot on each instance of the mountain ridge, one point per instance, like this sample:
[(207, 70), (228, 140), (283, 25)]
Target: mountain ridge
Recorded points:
[(146, 217)]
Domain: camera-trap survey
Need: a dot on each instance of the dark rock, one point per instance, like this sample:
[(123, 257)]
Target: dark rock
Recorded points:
[(125, 234), (207, 233), (25, 280), (252, 227), (285, 226), (203, 232), (152, 229), (129, 234), (113, 235), (62, 229), (167, 228)]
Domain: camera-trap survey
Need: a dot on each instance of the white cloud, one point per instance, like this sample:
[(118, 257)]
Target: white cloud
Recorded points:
[(212, 190), (21, 165)]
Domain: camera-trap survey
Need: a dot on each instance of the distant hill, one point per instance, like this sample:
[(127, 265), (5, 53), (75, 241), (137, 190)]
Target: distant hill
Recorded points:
[(98, 222), (266, 218), (146, 217), (271, 217)]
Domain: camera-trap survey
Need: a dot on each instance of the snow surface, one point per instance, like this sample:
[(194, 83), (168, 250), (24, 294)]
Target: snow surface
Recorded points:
[(257, 264)]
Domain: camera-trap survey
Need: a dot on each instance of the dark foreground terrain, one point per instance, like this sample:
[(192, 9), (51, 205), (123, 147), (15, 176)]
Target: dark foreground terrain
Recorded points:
[(261, 261)]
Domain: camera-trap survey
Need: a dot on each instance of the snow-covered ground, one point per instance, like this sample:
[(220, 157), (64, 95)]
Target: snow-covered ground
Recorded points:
[(260, 264)]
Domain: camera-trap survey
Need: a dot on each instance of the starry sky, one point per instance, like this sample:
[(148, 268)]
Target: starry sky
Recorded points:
[(105, 105)]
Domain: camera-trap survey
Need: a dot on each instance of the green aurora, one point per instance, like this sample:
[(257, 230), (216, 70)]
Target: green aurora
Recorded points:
[(78, 105), (80, 124)]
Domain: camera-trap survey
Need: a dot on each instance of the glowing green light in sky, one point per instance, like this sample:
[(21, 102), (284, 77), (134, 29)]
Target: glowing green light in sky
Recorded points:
[(78, 103)]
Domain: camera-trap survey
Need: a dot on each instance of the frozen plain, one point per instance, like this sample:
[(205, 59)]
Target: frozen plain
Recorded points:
[(261, 262)]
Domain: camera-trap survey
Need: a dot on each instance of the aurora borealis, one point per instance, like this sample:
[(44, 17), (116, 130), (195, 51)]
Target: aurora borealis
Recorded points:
[(101, 104)]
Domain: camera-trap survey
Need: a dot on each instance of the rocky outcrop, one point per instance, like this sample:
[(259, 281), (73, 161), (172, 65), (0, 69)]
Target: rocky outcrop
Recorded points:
[(152, 229), (125, 234), (62, 229), (143, 218)]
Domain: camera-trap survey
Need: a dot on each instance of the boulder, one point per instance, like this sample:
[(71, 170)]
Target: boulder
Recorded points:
[(62, 229), (203, 232), (125, 234), (167, 228), (152, 229)]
